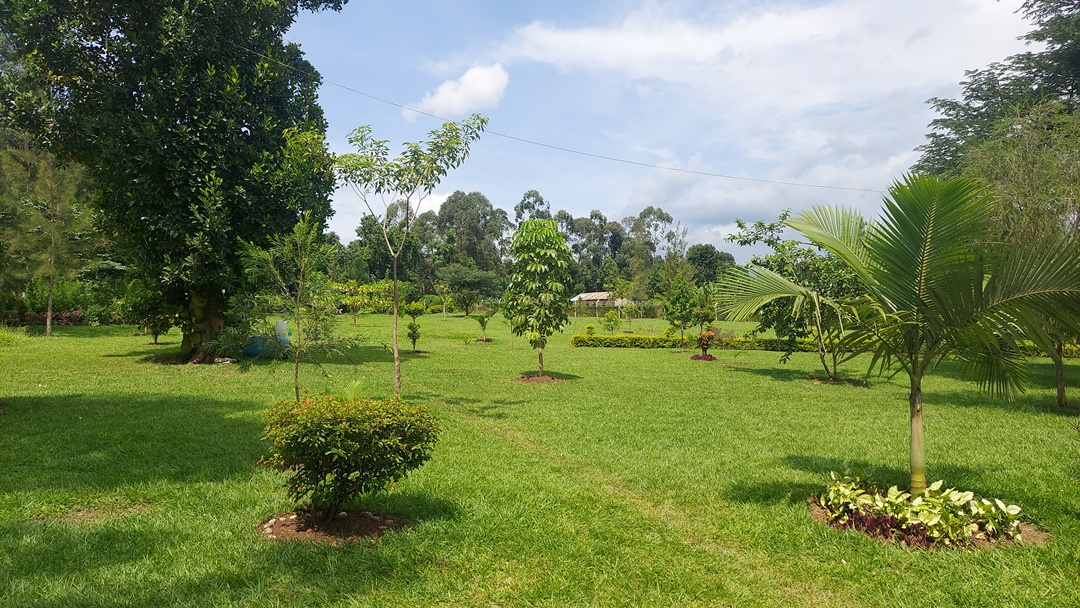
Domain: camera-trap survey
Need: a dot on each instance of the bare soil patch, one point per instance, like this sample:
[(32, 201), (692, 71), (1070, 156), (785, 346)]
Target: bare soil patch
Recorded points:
[(539, 379), (345, 526), (850, 381), (702, 358)]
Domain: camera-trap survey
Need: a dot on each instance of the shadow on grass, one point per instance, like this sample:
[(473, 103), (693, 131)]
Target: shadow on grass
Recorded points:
[(773, 492), (880, 474), (1027, 402), (485, 408), (266, 573), (1040, 376), (413, 506), (559, 375), (78, 443), (787, 374)]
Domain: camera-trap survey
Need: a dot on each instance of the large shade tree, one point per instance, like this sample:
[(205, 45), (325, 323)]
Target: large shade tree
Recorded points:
[(196, 120), (939, 284)]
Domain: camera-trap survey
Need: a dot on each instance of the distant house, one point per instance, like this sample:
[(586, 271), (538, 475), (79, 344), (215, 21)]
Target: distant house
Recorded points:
[(599, 299)]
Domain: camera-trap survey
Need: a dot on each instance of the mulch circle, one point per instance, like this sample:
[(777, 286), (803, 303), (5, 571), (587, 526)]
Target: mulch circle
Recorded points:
[(345, 526), (484, 340), (538, 379), (702, 358), (1030, 533)]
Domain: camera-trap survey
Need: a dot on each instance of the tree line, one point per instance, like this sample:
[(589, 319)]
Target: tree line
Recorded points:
[(464, 247)]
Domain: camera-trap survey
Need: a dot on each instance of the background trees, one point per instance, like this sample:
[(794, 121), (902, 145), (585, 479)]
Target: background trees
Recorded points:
[(991, 93), (44, 220), (197, 122)]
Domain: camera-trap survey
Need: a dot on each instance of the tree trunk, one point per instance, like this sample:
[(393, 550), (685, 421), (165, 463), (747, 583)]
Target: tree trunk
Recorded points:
[(541, 353), (918, 445), (393, 335), (296, 367), (1059, 375), (208, 319), (48, 307)]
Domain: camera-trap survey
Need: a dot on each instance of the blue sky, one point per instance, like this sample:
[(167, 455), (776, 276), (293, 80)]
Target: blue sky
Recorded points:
[(827, 92)]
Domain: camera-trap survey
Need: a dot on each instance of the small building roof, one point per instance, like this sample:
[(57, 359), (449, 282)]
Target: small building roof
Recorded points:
[(592, 296)]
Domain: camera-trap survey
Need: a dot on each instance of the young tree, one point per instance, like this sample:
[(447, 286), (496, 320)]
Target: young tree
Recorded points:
[(536, 300), (414, 310), (292, 271), (679, 307), (51, 226), (611, 321), (938, 285), (797, 291), (405, 181), (482, 318)]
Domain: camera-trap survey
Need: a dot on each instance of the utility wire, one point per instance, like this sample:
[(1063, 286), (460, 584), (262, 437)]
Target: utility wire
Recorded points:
[(561, 148)]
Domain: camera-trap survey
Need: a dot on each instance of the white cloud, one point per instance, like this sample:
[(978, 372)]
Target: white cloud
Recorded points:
[(480, 88)]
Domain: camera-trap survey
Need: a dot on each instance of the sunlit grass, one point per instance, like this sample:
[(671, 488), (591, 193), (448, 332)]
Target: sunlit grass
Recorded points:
[(643, 478)]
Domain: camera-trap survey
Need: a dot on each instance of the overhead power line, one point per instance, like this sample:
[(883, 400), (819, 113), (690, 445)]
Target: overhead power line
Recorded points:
[(562, 148)]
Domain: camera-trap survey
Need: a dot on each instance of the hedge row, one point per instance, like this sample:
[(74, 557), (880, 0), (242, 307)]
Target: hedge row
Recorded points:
[(725, 343), (806, 345)]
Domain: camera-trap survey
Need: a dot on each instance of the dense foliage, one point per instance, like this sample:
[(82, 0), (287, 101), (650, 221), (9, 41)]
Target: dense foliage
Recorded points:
[(934, 516), (196, 121), (536, 300), (990, 94)]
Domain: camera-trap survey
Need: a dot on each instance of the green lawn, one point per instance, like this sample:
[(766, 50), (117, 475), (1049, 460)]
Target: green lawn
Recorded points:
[(643, 479)]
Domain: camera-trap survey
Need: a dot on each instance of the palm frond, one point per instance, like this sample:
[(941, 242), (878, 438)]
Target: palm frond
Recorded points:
[(841, 232), (742, 291)]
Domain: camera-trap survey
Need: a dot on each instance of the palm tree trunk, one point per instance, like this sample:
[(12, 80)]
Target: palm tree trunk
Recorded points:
[(1059, 375), (918, 446)]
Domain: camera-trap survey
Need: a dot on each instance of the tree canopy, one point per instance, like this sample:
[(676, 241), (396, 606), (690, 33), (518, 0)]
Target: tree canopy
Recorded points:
[(196, 120), (990, 94)]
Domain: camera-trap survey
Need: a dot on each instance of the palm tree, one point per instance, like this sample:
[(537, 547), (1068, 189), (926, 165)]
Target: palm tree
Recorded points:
[(937, 285)]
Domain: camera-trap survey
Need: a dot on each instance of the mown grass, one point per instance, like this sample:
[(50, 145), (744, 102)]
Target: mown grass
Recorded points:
[(644, 478)]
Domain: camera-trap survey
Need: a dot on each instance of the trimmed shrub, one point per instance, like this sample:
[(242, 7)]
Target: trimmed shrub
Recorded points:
[(335, 449), (723, 342), (727, 341)]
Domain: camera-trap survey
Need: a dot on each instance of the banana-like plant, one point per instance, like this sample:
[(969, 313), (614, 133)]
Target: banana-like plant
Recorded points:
[(939, 284)]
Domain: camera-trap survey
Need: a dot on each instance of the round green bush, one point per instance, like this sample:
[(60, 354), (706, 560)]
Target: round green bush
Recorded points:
[(335, 449)]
